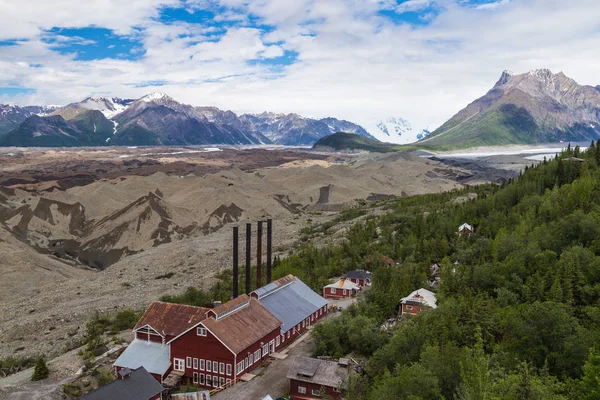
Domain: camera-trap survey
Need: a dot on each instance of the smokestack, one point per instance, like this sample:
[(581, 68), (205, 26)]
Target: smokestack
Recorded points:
[(259, 231), (248, 245), (235, 261), (269, 248)]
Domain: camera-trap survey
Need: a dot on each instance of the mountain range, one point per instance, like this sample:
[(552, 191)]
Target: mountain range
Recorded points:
[(157, 119), (534, 107)]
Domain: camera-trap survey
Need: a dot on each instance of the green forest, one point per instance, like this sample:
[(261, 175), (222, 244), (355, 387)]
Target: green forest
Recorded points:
[(518, 313)]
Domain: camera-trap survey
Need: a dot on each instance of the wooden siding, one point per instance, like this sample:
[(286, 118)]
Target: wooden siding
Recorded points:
[(296, 395), (339, 293), (299, 330), (209, 348)]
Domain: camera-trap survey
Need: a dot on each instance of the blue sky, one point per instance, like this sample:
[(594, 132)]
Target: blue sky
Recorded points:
[(361, 60)]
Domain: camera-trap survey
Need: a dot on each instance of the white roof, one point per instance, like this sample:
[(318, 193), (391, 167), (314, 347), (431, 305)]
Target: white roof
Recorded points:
[(465, 226), (344, 284), (423, 296), (150, 355)]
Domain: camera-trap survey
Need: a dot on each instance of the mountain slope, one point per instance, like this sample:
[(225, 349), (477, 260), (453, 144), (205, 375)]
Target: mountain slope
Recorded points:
[(55, 131), (397, 130), (352, 141), (536, 107)]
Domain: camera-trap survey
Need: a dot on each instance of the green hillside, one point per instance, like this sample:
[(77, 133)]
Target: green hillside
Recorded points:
[(518, 311), (351, 141)]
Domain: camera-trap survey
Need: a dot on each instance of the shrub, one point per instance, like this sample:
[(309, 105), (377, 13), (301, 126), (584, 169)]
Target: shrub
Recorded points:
[(41, 370)]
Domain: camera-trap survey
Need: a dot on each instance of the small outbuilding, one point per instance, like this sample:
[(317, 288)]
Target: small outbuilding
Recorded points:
[(313, 379), (343, 288), (465, 229), (130, 385), (418, 301)]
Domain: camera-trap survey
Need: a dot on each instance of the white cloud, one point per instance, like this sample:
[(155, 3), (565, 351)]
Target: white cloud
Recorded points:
[(352, 62), (412, 5)]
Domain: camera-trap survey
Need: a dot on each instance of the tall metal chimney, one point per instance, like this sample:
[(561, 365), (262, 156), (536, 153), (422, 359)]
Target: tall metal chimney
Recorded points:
[(235, 261), (259, 231), (248, 260), (269, 248)]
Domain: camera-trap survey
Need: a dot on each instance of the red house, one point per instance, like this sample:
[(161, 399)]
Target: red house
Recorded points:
[(361, 277), (311, 378), (418, 301), (343, 288)]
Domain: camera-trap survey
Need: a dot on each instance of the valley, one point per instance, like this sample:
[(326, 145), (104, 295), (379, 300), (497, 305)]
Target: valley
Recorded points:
[(102, 229)]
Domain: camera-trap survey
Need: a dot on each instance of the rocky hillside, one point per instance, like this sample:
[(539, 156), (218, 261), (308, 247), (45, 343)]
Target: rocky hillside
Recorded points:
[(535, 107), (157, 119)]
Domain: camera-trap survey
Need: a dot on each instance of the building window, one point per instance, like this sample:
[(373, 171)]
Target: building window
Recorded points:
[(195, 377), (222, 368), (201, 365), (201, 379), (228, 369), (294, 331), (215, 381), (208, 366), (257, 355), (195, 363), (215, 366), (178, 364), (301, 390), (288, 334), (251, 359), (344, 292), (188, 362), (222, 381), (208, 380), (409, 308), (332, 290), (277, 342), (228, 382), (303, 324), (201, 331), (316, 392), (337, 390), (240, 367), (282, 337)]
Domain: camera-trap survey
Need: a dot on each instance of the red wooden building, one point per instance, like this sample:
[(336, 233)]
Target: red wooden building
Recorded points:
[(295, 304), (233, 339), (361, 277), (313, 379), (418, 301), (208, 347), (343, 288)]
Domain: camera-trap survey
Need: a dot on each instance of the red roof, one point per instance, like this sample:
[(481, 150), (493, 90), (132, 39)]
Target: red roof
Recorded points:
[(171, 319), (241, 322)]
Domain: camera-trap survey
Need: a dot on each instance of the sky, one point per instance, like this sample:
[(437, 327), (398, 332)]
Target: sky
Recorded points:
[(360, 60)]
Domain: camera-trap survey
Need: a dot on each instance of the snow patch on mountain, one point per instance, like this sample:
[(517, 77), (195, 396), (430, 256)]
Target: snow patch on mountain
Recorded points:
[(109, 106), (396, 130)]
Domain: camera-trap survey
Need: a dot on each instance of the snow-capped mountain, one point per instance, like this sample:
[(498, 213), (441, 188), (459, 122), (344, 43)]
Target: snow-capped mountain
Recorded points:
[(158, 119), (396, 130), (12, 116)]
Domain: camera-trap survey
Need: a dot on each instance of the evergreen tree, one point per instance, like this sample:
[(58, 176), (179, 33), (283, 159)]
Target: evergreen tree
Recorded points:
[(41, 370), (590, 383)]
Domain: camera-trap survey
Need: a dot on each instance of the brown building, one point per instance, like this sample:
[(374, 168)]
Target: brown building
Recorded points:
[(312, 379)]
